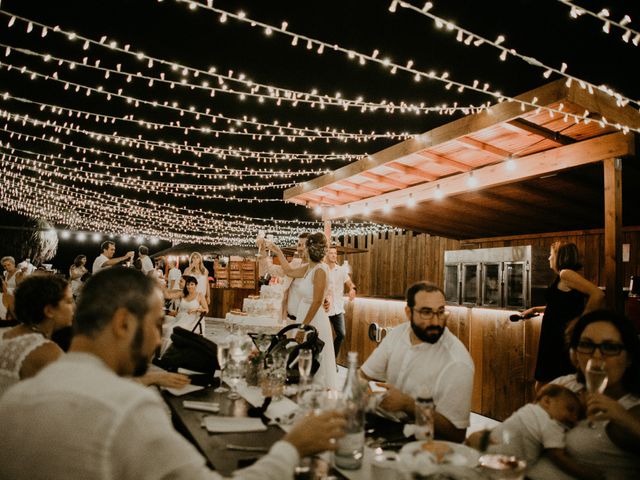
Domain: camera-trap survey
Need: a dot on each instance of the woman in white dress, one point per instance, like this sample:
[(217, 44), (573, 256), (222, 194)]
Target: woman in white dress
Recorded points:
[(191, 305), (312, 289), (43, 304), (197, 269), (76, 271)]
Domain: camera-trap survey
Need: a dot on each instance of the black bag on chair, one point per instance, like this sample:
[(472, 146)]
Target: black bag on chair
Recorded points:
[(291, 348), (192, 351)]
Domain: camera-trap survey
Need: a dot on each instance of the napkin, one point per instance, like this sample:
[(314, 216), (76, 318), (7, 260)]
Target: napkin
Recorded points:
[(217, 424), (184, 390)]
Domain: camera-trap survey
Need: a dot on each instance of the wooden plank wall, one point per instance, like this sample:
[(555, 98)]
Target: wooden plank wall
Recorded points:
[(396, 260)]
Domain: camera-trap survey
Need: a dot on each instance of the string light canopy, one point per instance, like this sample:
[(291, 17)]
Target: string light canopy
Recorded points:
[(132, 131)]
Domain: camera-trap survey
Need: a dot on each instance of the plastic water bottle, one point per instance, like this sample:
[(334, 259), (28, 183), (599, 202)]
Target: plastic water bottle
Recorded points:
[(350, 449), (424, 413)]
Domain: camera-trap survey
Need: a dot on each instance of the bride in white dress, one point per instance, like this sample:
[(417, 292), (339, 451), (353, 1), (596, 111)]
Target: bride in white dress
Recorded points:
[(313, 290)]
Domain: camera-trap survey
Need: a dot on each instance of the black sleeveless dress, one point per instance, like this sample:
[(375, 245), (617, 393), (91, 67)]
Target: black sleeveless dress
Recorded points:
[(553, 355)]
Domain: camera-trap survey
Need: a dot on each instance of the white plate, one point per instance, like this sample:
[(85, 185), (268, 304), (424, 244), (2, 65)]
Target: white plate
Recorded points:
[(416, 460)]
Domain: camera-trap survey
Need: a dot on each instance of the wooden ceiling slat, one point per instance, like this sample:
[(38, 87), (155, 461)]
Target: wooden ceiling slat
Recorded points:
[(417, 172), (342, 196), (485, 147), (386, 180), (442, 160), (359, 187)]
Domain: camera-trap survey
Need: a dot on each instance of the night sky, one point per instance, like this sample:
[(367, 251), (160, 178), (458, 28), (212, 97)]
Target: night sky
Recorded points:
[(170, 31)]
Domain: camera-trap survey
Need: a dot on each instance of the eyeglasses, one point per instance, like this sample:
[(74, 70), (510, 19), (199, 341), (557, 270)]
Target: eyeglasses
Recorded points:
[(608, 349), (428, 314)]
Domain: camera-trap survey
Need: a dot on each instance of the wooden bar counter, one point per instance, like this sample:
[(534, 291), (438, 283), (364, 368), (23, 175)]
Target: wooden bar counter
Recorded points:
[(504, 352)]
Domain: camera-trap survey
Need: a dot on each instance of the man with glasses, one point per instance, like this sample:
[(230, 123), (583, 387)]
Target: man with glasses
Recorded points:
[(424, 353)]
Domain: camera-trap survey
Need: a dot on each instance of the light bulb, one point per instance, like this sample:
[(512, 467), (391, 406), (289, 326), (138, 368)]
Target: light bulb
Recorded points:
[(438, 194)]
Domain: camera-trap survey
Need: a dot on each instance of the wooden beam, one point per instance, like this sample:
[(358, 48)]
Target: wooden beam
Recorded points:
[(442, 160), (519, 169), (570, 233), (527, 126), (409, 170), (604, 105), (342, 196), (358, 187), (501, 112), (485, 147), (385, 180), (613, 232)]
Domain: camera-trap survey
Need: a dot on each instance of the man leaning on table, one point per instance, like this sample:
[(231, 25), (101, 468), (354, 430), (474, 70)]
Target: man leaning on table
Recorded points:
[(424, 353), (79, 419)]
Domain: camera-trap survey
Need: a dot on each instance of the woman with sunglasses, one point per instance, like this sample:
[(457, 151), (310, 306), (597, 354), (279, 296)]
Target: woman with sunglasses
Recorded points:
[(608, 440)]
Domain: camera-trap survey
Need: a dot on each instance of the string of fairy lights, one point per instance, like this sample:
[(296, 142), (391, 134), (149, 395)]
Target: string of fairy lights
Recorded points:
[(288, 132), (198, 150), (259, 90), (106, 213), (71, 188), (604, 15), (319, 46), (157, 166), (469, 38)]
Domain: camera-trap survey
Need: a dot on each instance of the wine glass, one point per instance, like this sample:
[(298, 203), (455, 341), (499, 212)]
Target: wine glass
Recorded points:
[(596, 378), (222, 354), (233, 376), (305, 359), (270, 240)]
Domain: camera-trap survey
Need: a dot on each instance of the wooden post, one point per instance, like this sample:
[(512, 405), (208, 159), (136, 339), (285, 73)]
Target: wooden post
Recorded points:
[(612, 232)]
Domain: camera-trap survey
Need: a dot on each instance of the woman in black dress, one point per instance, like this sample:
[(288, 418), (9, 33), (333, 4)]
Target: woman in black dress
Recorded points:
[(565, 302)]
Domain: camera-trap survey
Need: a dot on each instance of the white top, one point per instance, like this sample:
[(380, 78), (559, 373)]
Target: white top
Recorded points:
[(527, 432), (11, 281), (98, 263), (147, 264), (338, 276), (114, 427), (592, 446), (76, 283), (173, 278), (445, 367), (290, 285), (13, 351)]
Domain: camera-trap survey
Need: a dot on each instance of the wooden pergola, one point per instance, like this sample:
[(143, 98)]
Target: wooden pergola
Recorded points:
[(511, 169)]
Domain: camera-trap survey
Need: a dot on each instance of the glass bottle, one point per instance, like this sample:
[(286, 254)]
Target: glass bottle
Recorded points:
[(350, 449), (425, 409)]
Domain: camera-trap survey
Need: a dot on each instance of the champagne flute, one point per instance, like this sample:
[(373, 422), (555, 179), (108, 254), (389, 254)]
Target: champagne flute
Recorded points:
[(270, 240), (596, 378), (222, 354), (305, 360)]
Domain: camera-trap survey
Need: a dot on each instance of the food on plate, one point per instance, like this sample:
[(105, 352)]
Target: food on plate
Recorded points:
[(438, 449)]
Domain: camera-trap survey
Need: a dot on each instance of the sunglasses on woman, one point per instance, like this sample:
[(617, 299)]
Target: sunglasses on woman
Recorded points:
[(608, 349)]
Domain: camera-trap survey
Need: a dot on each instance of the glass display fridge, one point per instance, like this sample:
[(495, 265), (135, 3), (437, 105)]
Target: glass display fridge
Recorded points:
[(513, 278)]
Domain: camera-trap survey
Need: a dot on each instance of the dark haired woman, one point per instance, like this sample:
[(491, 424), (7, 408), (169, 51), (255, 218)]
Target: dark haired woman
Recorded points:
[(565, 302), (43, 305), (312, 289), (609, 441), (192, 304), (76, 271)]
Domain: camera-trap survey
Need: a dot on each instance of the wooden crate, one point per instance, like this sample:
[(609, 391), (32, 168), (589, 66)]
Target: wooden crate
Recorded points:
[(235, 283)]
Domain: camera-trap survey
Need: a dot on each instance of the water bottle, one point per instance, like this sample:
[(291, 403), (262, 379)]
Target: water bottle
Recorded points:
[(425, 409), (350, 449)]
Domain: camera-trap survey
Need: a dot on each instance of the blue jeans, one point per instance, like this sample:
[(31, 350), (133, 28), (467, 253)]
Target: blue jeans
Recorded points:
[(337, 321)]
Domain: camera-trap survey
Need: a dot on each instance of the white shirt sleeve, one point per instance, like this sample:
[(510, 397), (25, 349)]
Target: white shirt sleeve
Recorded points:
[(376, 365), (452, 394), (145, 446)]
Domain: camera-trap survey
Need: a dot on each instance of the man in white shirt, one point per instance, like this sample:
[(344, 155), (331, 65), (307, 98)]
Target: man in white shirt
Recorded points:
[(106, 260), (146, 264), (424, 353), (78, 419), (290, 285), (338, 277)]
